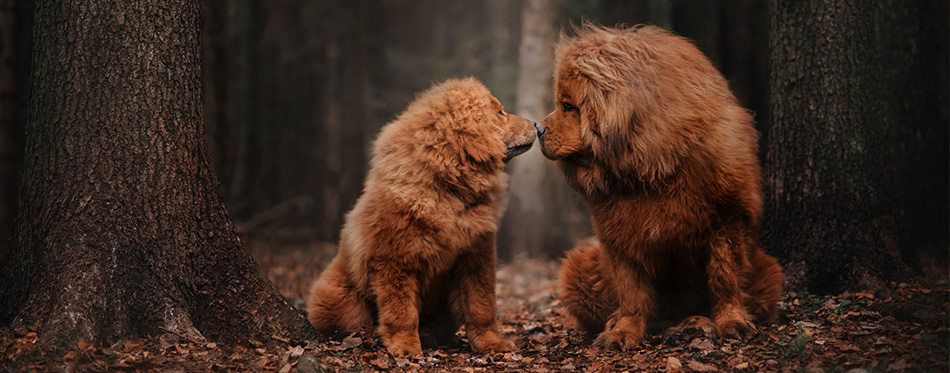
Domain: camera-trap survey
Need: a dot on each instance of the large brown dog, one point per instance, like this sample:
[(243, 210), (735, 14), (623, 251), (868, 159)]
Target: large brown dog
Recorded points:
[(420, 242), (649, 134)]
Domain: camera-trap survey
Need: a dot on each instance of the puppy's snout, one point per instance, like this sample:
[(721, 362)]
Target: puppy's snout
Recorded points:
[(539, 128)]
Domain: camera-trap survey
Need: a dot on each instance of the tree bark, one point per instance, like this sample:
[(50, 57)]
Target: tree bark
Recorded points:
[(830, 214), (121, 230), (544, 217)]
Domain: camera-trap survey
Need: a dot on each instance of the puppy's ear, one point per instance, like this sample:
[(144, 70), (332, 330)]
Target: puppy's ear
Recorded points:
[(479, 148), (471, 137)]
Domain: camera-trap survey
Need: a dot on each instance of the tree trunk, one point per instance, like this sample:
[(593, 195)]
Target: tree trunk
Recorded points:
[(121, 231), (544, 217), (829, 213)]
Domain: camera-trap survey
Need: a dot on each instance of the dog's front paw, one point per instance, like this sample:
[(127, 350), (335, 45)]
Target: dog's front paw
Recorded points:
[(733, 322), (617, 340), (738, 329), (491, 342), (403, 345)]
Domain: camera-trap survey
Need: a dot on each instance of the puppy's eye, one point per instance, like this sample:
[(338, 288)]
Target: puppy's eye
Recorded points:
[(502, 112), (566, 107)]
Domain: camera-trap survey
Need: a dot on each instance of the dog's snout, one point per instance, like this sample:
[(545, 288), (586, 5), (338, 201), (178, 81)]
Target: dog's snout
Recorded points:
[(539, 128)]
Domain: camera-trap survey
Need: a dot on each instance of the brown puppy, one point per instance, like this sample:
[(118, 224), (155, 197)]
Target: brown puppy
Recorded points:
[(649, 134), (420, 242)]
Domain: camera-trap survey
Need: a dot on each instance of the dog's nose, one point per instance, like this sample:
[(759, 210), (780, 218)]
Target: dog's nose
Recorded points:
[(539, 128)]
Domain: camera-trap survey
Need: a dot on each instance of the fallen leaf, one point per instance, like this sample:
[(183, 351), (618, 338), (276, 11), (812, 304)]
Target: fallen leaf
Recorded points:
[(701, 344), (309, 363), (350, 342), (285, 368), (383, 362), (700, 367), (673, 364)]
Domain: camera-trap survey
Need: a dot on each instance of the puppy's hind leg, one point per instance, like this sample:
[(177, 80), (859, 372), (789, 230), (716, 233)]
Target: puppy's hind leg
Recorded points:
[(334, 304)]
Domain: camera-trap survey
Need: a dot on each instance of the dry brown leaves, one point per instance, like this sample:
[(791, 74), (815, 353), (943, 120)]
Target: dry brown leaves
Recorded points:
[(898, 328)]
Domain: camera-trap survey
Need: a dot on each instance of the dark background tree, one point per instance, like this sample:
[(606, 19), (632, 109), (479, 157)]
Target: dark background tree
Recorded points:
[(121, 230), (16, 20), (912, 40), (846, 127)]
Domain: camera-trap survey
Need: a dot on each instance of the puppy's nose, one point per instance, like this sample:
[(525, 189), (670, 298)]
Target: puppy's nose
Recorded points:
[(539, 128)]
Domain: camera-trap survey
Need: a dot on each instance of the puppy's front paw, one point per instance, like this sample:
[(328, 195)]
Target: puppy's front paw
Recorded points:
[(695, 326), (617, 340), (491, 342), (623, 332)]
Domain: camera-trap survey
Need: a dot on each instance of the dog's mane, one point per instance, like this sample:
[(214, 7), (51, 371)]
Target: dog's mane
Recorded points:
[(648, 98)]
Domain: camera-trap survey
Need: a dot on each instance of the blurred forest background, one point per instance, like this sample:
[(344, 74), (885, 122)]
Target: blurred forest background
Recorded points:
[(295, 91)]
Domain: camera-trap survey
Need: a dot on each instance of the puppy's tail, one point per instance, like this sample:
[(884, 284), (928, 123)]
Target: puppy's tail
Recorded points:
[(334, 303), (586, 291), (765, 286)]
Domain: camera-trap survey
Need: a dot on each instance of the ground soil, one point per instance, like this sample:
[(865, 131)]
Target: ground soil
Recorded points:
[(900, 327)]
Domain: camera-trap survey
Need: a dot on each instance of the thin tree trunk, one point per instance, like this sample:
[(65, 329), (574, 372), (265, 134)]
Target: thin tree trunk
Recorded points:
[(544, 217), (121, 230), (830, 215), (345, 118)]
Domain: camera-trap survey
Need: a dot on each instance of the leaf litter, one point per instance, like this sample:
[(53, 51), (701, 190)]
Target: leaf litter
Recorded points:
[(900, 327)]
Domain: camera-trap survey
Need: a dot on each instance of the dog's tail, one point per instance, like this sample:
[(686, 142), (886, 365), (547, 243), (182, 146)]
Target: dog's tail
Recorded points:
[(765, 286), (585, 290)]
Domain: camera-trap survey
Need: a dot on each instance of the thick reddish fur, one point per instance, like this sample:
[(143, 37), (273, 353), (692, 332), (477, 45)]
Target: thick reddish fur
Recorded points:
[(419, 245), (649, 134)]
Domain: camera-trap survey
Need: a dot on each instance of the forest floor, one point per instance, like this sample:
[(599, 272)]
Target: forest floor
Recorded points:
[(901, 327)]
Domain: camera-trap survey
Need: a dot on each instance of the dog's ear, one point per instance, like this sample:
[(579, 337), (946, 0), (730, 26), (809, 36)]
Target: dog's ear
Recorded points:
[(607, 115)]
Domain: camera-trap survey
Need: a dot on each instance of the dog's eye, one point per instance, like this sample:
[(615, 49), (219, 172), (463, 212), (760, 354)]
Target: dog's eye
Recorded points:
[(566, 107), (501, 112)]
